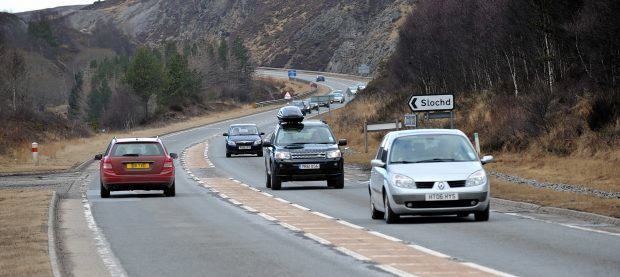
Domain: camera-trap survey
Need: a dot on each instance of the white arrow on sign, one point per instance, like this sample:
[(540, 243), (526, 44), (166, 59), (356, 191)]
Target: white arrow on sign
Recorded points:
[(431, 102)]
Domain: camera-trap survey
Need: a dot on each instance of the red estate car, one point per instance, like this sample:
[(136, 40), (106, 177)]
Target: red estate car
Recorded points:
[(136, 164)]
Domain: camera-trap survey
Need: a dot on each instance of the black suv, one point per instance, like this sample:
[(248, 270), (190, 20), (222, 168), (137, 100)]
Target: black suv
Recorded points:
[(302, 151)]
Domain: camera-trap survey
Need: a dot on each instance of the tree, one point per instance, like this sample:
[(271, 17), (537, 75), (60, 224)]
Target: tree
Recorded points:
[(183, 83), (75, 97), (146, 76), (16, 75)]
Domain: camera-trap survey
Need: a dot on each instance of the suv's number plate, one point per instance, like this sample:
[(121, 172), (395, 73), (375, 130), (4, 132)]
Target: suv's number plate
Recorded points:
[(138, 165), (441, 196), (309, 166), (245, 147)]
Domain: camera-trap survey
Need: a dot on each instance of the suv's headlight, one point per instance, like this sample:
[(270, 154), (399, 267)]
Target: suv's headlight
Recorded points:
[(282, 155), (333, 154), (258, 142), (231, 143), (402, 181), (477, 178)]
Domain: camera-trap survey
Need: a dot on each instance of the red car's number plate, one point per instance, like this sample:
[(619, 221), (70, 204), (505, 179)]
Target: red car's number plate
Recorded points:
[(138, 165)]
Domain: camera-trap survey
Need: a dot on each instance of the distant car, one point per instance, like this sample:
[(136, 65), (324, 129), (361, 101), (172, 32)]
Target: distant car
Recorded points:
[(426, 172), (313, 104), (361, 86), (320, 78), (313, 85), (352, 90), (337, 96), (136, 164), (302, 105), (243, 139)]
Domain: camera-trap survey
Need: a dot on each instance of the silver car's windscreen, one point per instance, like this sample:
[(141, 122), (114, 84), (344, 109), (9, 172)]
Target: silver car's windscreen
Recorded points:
[(305, 135), (431, 148)]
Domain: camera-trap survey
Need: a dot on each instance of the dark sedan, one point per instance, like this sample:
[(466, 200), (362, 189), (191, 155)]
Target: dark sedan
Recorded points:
[(243, 139)]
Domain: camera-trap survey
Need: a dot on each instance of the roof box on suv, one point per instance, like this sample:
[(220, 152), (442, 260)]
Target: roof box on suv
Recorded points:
[(290, 114)]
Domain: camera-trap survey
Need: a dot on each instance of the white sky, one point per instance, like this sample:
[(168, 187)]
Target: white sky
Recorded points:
[(15, 6)]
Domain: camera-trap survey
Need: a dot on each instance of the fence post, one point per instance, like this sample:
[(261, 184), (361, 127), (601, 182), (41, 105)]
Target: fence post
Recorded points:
[(477, 141), (365, 137)]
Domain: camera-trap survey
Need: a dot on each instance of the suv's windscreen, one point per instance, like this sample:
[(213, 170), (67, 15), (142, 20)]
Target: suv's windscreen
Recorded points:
[(137, 149), (243, 130), (305, 135), (431, 148)]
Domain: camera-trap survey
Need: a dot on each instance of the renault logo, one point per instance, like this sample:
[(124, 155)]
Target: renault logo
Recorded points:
[(441, 185)]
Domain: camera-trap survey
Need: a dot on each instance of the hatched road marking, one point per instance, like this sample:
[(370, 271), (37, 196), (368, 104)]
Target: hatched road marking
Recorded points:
[(382, 251)]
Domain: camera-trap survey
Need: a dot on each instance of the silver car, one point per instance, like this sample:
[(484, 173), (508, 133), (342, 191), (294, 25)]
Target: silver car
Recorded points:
[(426, 172)]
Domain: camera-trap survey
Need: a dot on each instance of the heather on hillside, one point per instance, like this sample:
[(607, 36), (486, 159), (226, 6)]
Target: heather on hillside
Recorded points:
[(526, 73)]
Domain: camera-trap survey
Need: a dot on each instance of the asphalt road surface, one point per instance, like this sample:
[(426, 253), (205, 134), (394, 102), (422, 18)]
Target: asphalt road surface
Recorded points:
[(198, 234)]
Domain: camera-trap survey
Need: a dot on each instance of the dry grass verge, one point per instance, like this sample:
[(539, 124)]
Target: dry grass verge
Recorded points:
[(23, 233), (547, 197)]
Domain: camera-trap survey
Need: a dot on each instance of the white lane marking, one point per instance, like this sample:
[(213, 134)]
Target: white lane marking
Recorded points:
[(488, 270), (563, 224), (235, 202), (266, 194), (250, 209), (290, 227), (317, 239), (300, 207), (236, 181), (429, 251), (322, 215), (346, 223), (353, 254), (103, 247), (224, 196), (381, 235), (395, 271), (282, 200), (255, 189), (268, 217), (245, 185)]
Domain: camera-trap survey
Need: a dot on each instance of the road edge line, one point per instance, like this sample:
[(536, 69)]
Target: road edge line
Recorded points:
[(51, 235)]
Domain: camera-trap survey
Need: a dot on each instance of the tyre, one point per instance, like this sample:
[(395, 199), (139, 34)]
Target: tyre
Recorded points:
[(276, 183), (337, 183), (374, 213), (484, 215), (105, 193), (170, 191), (389, 215), (227, 155), (268, 182)]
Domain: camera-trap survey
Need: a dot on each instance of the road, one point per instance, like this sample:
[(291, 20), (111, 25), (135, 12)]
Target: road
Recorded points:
[(199, 232)]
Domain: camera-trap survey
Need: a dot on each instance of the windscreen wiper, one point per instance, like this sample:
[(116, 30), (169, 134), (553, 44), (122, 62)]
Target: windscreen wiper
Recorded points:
[(436, 160)]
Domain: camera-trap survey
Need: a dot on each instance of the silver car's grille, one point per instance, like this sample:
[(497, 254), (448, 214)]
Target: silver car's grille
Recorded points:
[(308, 155), (429, 185)]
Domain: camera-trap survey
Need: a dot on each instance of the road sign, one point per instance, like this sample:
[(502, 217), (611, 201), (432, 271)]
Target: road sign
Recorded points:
[(431, 102), (287, 96), (411, 120), (292, 73), (383, 126)]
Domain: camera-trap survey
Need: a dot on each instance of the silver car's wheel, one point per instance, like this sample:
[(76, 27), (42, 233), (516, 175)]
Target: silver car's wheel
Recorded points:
[(389, 215), (374, 213)]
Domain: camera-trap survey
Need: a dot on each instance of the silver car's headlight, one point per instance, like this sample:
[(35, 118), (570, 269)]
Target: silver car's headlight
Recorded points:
[(402, 181), (283, 155), (333, 154), (258, 142), (231, 143), (476, 179)]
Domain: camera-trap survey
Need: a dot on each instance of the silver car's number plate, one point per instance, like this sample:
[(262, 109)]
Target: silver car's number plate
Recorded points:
[(309, 166), (441, 196), (245, 147)]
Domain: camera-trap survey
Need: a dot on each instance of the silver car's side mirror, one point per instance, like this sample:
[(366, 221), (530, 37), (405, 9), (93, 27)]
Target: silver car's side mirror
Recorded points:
[(486, 159), (377, 163)]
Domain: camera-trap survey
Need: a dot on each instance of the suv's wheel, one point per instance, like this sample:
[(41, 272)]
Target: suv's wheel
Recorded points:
[(389, 215), (105, 193), (484, 215), (268, 182), (227, 155), (336, 183), (276, 183), (170, 191), (374, 213)]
